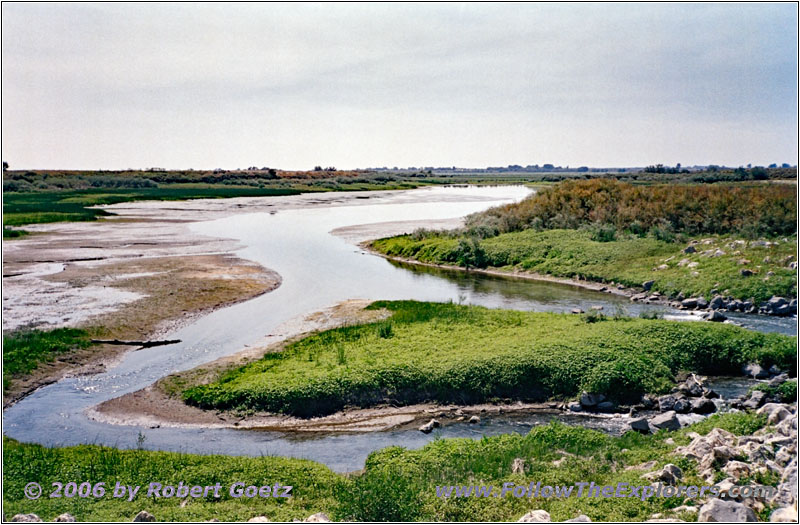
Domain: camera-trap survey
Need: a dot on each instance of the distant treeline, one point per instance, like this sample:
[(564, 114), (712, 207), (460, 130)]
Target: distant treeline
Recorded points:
[(752, 210)]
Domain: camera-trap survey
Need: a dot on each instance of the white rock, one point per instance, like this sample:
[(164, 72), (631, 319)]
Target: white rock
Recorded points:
[(535, 516)]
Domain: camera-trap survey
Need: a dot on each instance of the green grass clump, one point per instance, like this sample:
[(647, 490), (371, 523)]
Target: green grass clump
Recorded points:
[(469, 354), (786, 392), (24, 350), (629, 260), (396, 484)]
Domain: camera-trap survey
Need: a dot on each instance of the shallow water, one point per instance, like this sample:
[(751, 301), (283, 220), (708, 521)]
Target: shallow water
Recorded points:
[(318, 270)]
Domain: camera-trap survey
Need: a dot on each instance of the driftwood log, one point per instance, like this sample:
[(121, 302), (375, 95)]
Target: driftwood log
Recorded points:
[(140, 344)]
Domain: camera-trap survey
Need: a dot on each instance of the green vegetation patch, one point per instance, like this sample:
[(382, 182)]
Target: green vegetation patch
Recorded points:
[(313, 484), (470, 354), (25, 350), (785, 392), (583, 456), (396, 485), (629, 260)]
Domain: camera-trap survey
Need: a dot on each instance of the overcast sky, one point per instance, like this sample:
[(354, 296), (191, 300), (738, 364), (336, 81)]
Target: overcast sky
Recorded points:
[(291, 86)]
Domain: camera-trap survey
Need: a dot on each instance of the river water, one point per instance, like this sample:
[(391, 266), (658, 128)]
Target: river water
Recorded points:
[(319, 269)]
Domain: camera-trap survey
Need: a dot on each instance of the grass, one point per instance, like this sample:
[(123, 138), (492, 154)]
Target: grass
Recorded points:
[(313, 484), (469, 354), (25, 350), (397, 484), (785, 392), (629, 260)]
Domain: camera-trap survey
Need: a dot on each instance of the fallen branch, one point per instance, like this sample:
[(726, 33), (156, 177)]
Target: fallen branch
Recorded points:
[(141, 344)]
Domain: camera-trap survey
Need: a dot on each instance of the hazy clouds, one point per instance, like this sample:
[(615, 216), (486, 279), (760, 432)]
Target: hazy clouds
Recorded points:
[(356, 85)]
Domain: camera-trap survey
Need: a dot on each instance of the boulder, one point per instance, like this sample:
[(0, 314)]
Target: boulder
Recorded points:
[(666, 421), (723, 511), (27, 518), (574, 406), (717, 302), (716, 317), (776, 416), (690, 249), (669, 475), (689, 303), (666, 403), (784, 515), (755, 400), (259, 519), (606, 406), (144, 516), (583, 518), (428, 427), (474, 420), (65, 518), (640, 425), (703, 406), (589, 400), (745, 272), (319, 517), (682, 405), (701, 302), (647, 285), (737, 470), (535, 516)]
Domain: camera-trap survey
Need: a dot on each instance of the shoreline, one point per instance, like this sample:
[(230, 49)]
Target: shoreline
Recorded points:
[(596, 286)]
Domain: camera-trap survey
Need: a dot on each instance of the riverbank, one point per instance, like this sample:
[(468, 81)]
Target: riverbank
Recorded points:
[(408, 485), (733, 274)]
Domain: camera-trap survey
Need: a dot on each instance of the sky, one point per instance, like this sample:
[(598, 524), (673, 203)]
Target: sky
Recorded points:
[(291, 86)]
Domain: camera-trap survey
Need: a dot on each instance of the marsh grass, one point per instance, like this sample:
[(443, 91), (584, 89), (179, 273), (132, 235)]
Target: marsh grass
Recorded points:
[(25, 350), (467, 354)]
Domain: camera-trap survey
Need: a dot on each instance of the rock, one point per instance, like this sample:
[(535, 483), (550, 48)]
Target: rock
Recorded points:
[(577, 311), (606, 406), (692, 386), (755, 400), (588, 400), (518, 466), (583, 518), (574, 406), (65, 518), (144, 516), (666, 402), (689, 303), (640, 425), (686, 508), (597, 307), (778, 415), (428, 427), (784, 515), (319, 517), (716, 317), (744, 272), (690, 249), (474, 420), (717, 253), (754, 370), (682, 405), (649, 401), (670, 474), (723, 511), (793, 265), (717, 302), (647, 285), (259, 519), (701, 302), (28, 518), (703, 406), (535, 516), (666, 421), (737, 470)]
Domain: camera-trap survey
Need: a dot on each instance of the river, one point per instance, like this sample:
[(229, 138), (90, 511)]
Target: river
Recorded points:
[(319, 269)]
